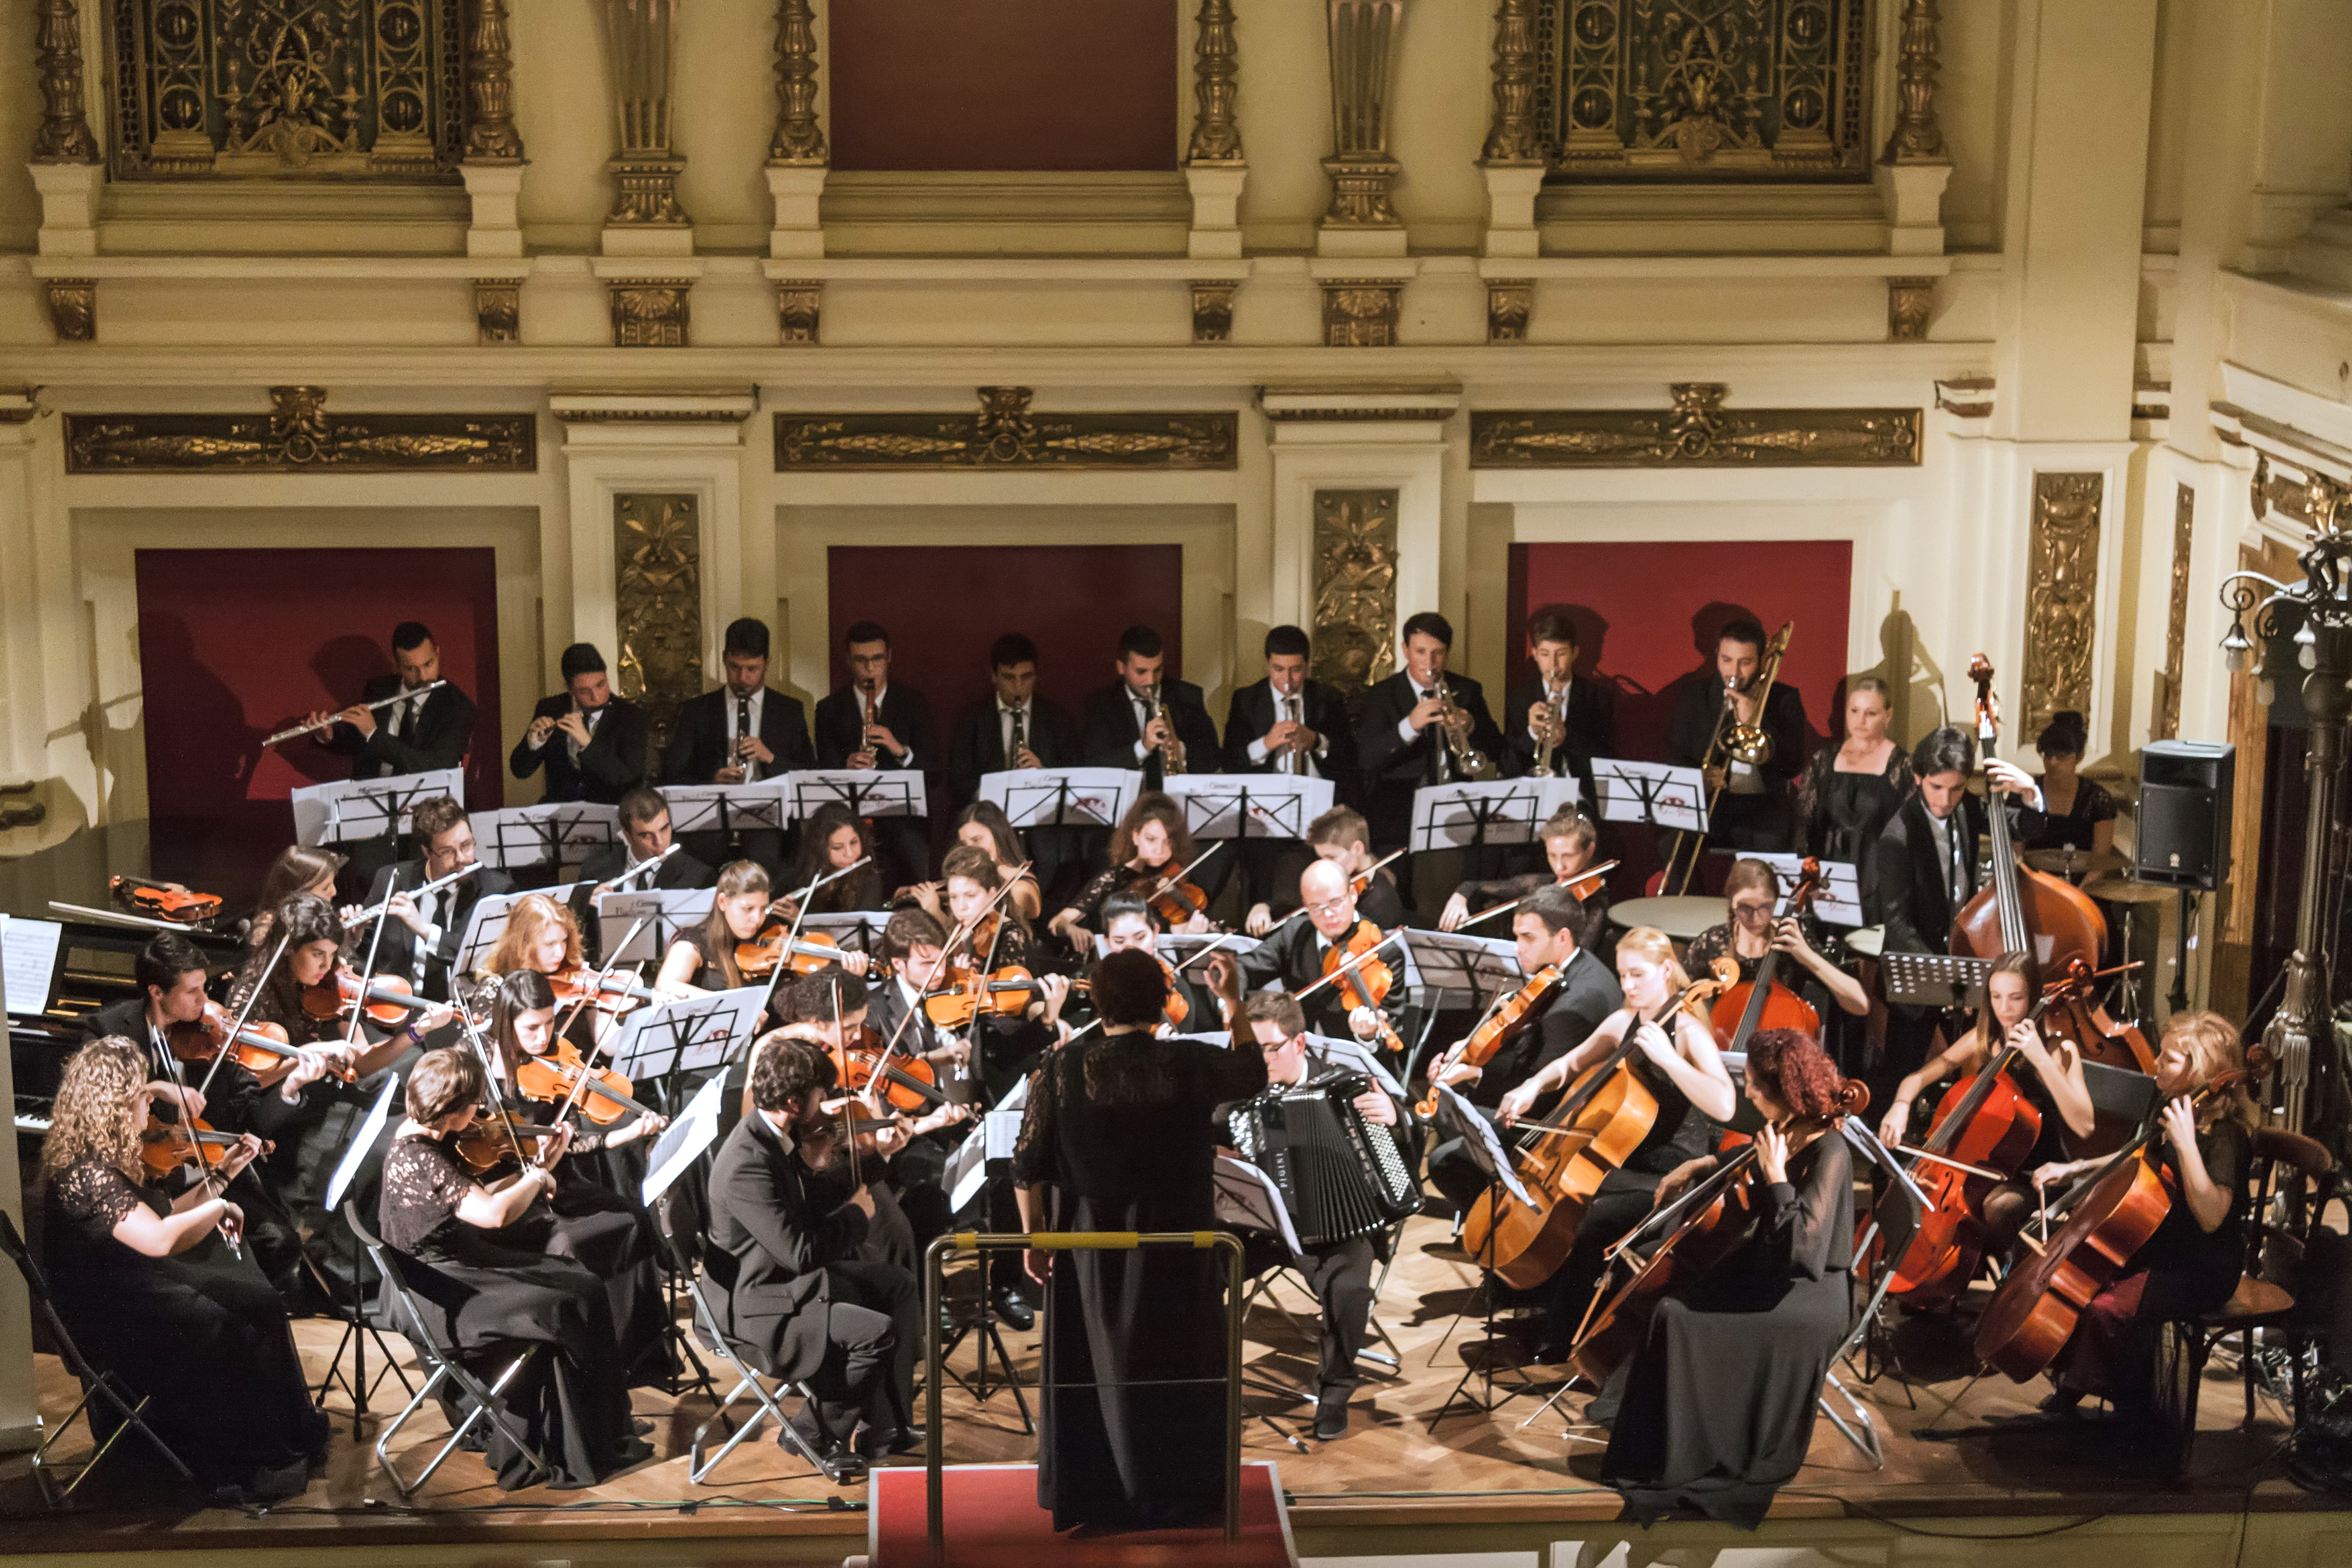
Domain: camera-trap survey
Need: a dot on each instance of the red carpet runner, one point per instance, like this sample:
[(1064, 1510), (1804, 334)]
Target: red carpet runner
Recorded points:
[(994, 1522)]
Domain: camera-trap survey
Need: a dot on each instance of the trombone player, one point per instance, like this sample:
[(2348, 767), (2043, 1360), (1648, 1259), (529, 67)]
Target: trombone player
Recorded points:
[(1750, 794)]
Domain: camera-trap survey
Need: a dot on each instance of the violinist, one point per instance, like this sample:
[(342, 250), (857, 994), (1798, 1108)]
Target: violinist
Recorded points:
[(789, 1272), (1125, 726), (704, 959), (1750, 800), (1130, 925), (2055, 1087), (1755, 1333), (2076, 813), (1686, 1073), (914, 950), (2194, 1262), (542, 938), (834, 838), (983, 826), (1301, 953), (1339, 1272), (1569, 842), (488, 1239), (149, 1287), (1546, 929), (1751, 893), (295, 870), (588, 1220), (644, 835), (422, 929), (1153, 846), (591, 742), (170, 974), (872, 723), (1339, 835)]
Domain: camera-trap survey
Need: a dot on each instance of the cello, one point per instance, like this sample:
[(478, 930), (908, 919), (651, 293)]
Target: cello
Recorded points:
[(1598, 1124), (1764, 1003), (2026, 910)]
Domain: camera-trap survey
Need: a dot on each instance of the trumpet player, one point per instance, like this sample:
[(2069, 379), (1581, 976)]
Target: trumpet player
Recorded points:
[(1558, 723), (872, 723), (1146, 720), (1422, 726), (1750, 794)]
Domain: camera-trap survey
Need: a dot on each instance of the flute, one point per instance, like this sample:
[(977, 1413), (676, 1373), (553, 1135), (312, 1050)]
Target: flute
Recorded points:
[(330, 722), (377, 911)]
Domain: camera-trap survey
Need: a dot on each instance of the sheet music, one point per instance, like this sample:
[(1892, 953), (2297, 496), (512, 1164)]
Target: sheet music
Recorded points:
[(548, 833), (707, 808), (1351, 1056), (1459, 1117), (28, 964), (487, 922), (349, 809), (665, 911), (688, 1036), (1097, 797), (1670, 796), (682, 1143), (355, 1152), (868, 792), (1499, 811), (1280, 806), (1246, 1198), (1838, 903)]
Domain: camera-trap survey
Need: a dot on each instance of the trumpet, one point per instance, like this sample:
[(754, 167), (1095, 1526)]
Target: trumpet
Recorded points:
[(331, 721), (1469, 762), (1549, 739), (1171, 759)]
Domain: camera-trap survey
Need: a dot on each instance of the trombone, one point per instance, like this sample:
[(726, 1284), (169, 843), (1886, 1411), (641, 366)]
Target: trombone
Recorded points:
[(1734, 741)]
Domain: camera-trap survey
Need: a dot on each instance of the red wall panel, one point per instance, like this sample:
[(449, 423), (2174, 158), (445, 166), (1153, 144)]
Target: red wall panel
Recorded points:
[(1008, 84), (945, 605), (235, 645)]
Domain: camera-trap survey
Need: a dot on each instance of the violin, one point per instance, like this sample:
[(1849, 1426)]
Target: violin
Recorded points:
[(1175, 900), (557, 1077), (1600, 1122), (1765, 1003), (909, 1083), (259, 1048), (613, 993), (758, 958), (2111, 1216), (490, 1140), (388, 999), (1364, 980), (1006, 993), (1718, 1213), (163, 900), (1504, 1023), (165, 1146)]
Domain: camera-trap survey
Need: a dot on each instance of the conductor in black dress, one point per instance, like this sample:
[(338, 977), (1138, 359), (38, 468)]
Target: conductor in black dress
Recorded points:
[(1751, 802), (1403, 734), (1122, 730), (421, 734), (1015, 730), (1289, 726), (871, 723), (741, 733), (591, 742)]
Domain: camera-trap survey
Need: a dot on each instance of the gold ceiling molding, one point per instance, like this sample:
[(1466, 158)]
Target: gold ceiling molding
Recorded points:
[(1509, 302), (800, 303), (2062, 591), (2315, 501), (1361, 313), (299, 436), (1697, 432), (497, 311), (1910, 302), (1004, 434)]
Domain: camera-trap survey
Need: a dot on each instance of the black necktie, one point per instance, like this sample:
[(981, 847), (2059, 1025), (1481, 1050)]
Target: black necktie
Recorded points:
[(744, 728), (408, 720)]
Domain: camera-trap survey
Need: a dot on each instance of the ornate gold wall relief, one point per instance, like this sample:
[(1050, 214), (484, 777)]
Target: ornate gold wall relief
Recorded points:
[(798, 304), (498, 312), (2314, 501), (638, 35), (2062, 586), (288, 89), (1910, 302), (299, 435), (1917, 138), (1212, 312), (1698, 431), (658, 580), (1508, 306), (650, 313), (2175, 620), (1355, 587), (73, 309), (1361, 315), (1363, 37), (1004, 434)]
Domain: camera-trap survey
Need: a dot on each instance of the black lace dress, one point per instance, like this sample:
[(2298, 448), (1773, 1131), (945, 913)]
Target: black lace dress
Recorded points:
[(1840, 814), (200, 1333), (503, 1291), (2075, 828), (1718, 1404), (1118, 1133)]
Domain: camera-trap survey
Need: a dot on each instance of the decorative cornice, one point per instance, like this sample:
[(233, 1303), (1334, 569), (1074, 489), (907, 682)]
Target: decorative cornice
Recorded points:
[(673, 405), (2314, 500), (299, 435), (1358, 405), (1697, 432), (1004, 434)]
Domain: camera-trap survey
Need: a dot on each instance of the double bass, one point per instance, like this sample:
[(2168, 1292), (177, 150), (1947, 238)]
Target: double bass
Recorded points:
[(2026, 910), (1764, 1003), (1597, 1126)]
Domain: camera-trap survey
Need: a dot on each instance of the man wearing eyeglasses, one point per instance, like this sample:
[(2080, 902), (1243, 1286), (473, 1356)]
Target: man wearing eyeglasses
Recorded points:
[(1294, 956)]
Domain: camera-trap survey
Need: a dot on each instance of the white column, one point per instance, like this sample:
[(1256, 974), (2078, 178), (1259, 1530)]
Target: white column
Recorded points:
[(20, 750)]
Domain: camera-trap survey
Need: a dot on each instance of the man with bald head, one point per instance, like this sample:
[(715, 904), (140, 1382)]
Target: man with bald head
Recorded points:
[(1293, 957)]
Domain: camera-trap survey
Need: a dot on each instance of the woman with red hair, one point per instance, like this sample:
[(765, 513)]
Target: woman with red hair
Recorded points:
[(1755, 1334)]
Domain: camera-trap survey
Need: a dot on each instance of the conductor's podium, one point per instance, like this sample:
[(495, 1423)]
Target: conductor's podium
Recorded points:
[(992, 1520)]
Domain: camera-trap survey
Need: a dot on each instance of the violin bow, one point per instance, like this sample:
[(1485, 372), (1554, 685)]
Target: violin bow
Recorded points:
[(1176, 878), (1581, 877), (243, 1014), (596, 982), (1352, 963), (961, 933), (490, 1085), (792, 932)]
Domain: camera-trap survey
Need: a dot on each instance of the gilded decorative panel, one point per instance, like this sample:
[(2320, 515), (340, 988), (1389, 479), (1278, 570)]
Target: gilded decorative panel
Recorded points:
[(1697, 432), (299, 436), (2175, 620), (658, 577), (1355, 587), (1004, 434), (2062, 586), (1704, 88), (288, 89)]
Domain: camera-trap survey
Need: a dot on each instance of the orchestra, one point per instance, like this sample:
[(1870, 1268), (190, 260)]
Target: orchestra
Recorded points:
[(1680, 1114)]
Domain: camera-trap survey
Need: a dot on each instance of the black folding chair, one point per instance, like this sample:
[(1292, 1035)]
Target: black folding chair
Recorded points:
[(129, 1407)]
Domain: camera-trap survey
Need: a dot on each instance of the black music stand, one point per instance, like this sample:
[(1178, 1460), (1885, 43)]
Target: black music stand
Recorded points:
[(1671, 799), (1459, 1117), (984, 1156), (358, 1329), (544, 833), (728, 809), (1061, 798), (1450, 970), (1931, 979), (354, 810)]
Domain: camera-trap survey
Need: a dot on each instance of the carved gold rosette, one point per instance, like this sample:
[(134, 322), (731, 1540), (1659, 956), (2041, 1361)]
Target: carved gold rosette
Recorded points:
[(2062, 584), (1355, 587), (1004, 434), (1697, 432), (299, 435), (657, 582)]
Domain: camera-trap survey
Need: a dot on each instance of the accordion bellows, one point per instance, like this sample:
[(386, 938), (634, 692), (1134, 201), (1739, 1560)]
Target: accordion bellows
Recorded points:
[(1339, 1175)]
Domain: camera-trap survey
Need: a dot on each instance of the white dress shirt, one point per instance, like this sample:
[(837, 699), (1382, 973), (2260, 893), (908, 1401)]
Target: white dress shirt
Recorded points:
[(1292, 708)]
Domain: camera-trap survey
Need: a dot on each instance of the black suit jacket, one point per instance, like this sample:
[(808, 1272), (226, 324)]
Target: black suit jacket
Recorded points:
[(841, 728), (1700, 708), (396, 954), (1393, 767), (978, 744), (445, 730), (698, 739), (773, 1228), (611, 765), (1906, 891), (1111, 730), (1292, 958), (229, 1103), (1591, 724), (1588, 994), (1325, 711), (680, 870)]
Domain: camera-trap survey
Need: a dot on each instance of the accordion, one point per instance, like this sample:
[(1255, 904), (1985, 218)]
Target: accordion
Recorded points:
[(1339, 1175)]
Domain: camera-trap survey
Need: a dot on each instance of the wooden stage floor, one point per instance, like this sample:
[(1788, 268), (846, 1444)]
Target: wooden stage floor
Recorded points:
[(1399, 1468)]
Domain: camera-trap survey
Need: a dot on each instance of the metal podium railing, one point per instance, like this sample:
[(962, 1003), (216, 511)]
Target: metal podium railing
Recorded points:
[(983, 1243)]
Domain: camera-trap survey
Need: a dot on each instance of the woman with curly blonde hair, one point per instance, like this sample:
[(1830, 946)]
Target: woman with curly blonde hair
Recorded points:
[(150, 1290)]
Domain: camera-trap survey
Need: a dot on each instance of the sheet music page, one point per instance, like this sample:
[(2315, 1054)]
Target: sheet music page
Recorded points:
[(29, 963)]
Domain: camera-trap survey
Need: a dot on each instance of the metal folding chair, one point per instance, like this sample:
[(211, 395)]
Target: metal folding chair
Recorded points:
[(95, 1384), (405, 1280), (750, 1380)]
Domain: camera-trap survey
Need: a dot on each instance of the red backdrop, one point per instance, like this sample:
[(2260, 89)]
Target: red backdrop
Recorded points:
[(235, 645), (1008, 84), (945, 605)]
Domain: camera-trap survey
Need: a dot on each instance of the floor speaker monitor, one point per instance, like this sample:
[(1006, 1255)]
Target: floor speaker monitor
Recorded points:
[(2185, 792)]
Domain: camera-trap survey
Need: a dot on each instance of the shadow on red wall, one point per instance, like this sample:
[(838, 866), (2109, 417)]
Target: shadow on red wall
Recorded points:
[(235, 645)]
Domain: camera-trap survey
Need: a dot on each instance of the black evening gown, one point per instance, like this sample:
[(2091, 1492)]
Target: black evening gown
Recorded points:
[(506, 1288), (1118, 1131), (2074, 830), (1718, 1404), (1840, 814), (202, 1334)]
